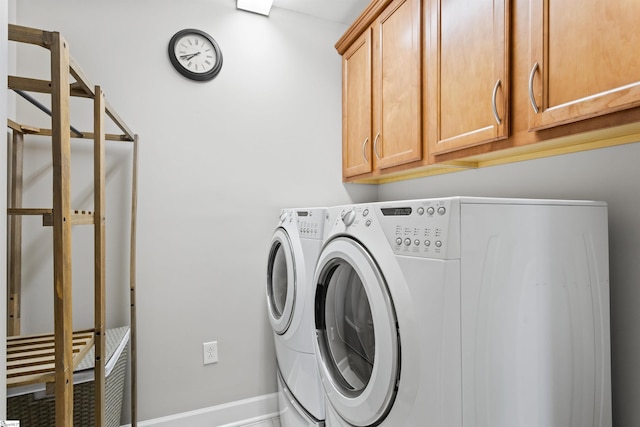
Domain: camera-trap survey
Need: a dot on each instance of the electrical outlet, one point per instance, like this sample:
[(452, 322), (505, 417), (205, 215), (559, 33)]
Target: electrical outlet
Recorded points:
[(210, 352)]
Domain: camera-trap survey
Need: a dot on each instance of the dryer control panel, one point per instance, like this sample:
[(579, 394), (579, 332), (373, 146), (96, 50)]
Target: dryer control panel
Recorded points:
[(423, 228)]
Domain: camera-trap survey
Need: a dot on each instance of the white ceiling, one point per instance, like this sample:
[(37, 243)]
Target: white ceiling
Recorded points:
[(342, 11)]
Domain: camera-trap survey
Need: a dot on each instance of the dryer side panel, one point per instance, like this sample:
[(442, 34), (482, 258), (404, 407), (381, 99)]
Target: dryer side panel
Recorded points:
[(535, 316)]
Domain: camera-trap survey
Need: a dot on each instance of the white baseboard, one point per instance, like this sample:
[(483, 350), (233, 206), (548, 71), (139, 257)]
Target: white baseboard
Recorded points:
[(230, 414)]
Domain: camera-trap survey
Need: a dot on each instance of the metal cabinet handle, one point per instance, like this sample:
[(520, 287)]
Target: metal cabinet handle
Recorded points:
[(364, 146), (493, 102), (375, 146), (532, 98)]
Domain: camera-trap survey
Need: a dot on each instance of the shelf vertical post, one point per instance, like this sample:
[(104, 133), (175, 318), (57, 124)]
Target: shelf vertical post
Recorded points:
[(61, 151), (132, 286), (99, 253), (14, 254)]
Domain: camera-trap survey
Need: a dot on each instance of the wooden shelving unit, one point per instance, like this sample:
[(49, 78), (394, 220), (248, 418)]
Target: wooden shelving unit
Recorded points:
[(67, 80)]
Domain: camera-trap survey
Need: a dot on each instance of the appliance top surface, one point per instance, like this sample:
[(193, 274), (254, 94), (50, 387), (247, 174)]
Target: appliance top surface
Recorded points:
[(502, 201)]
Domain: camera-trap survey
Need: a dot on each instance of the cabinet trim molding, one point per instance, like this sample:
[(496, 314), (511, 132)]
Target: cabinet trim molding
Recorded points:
[(363, 22)]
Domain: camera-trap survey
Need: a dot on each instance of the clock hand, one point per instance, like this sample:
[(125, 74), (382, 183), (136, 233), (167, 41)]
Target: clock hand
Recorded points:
[(189, 56)]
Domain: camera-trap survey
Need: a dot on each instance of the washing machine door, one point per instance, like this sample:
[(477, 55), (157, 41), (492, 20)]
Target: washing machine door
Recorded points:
[(281, 281), (357, 338)]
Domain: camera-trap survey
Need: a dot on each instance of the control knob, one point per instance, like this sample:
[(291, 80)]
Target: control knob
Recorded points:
[(349, 217)]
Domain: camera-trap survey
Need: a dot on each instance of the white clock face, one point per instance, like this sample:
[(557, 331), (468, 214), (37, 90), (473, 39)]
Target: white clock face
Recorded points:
[(195, 53)]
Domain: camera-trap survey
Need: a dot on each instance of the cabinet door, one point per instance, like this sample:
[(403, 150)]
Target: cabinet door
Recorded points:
[(397, 84), (584, 59), (468, 73), (356, 107)]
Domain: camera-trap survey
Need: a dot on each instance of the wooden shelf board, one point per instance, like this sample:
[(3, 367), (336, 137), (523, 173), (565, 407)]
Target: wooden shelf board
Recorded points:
[(32, 130), (119, 122), (82, 81), (78, 217), (31, 359), (29, 211), (23, 129), (28, 35)]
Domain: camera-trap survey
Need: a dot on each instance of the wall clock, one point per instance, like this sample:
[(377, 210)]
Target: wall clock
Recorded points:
[(195, 54)]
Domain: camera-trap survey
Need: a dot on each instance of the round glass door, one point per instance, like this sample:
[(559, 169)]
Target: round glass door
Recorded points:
[(348, 318), (281, 285), (357, 338)]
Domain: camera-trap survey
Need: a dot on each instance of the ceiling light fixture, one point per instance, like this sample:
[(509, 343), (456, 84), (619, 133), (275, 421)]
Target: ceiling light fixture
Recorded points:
[(263, 7)]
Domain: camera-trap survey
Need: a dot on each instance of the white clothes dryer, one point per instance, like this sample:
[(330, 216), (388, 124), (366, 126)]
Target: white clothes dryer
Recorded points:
[(294, 250), (465, 312)]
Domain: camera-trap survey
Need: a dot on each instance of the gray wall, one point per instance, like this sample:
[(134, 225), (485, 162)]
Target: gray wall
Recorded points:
[(609, 174), (218, 160)]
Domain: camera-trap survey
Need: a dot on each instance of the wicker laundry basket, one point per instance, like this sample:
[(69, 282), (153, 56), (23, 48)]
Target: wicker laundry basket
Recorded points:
[(36, 409)]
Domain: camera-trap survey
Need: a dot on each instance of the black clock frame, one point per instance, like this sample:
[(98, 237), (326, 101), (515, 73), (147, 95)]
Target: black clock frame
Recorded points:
[(209, 75)]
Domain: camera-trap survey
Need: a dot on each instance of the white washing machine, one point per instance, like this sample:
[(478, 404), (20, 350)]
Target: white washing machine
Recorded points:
[(465, 312), (295, 247)]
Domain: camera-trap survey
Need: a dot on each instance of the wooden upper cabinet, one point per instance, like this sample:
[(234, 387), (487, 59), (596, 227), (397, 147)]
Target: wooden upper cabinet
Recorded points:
[(397, 120), (381, 90), (584, 60), (356, 107), (468, 73)]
